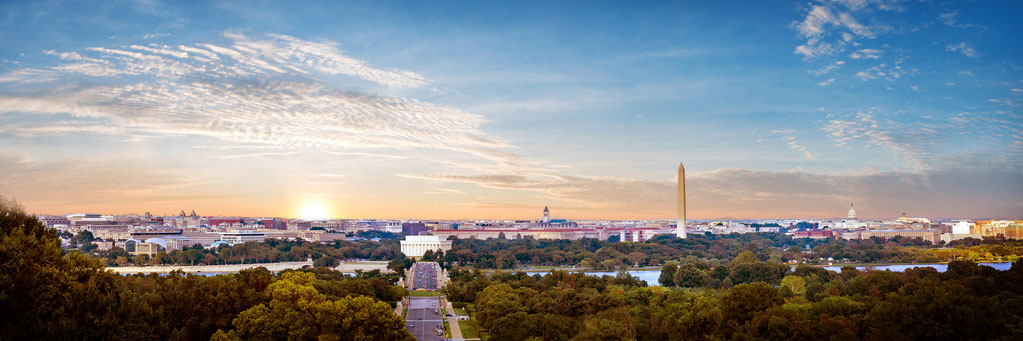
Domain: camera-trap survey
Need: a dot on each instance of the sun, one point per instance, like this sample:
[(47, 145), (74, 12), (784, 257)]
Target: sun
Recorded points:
[(314, 210)]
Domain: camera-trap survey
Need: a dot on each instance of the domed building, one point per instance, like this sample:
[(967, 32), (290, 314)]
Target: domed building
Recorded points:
[(851, 221)]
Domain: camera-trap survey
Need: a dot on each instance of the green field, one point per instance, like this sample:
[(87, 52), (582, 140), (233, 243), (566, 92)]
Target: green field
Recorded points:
[(468, 331)]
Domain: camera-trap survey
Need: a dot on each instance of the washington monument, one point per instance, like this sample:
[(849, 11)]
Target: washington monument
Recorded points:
[(680, 230)]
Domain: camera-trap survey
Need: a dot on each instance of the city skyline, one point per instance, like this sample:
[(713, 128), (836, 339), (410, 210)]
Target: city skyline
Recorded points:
[(388, 110)]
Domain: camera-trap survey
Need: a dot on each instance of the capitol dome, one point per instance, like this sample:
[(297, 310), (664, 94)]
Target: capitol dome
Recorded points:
[(852, 213)]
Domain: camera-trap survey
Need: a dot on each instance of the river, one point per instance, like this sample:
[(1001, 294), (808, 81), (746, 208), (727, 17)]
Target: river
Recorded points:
[(651, 276)]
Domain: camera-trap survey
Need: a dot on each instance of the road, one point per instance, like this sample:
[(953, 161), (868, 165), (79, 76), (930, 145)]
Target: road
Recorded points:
[(424, 318), (425, 314), (424, 276)]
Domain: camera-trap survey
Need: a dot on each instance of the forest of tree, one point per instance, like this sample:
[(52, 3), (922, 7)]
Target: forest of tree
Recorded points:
[(47, 293), (714, 249), (966, 302), (268, 251)]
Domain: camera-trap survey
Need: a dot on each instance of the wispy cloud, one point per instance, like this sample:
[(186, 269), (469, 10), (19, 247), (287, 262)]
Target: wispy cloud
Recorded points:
[(863, 128), (820, 25), (952, 19), (827, 68), (275, 55), (886, 72), (251, 91), (789, 137), (866, 54), (963, 48)]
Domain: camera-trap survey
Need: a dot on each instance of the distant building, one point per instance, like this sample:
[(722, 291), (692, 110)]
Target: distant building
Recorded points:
[(413, 229), (932, 236), (241, 237), (951, 237), (634, 235), (813, 234), (910, 221), (53, 220), (394, 227), (572, 233), (225, 221), (416, 246), (1009, 229), (103, 245), (963, 227), (148, 249)]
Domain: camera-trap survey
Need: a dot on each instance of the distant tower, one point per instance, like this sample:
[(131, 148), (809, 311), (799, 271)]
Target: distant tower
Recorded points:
[(182, 213), (680, 230), (193, 214), (546, 215), (852, 213)]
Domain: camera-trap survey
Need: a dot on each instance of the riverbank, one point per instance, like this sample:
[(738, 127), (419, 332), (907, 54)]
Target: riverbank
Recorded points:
[(227, 268), (535, 269), (232, 268)]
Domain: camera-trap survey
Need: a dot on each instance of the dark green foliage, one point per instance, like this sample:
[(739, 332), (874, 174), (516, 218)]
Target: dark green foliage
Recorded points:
[(46, 294), (667, 276), (269, 251), (811, 305)]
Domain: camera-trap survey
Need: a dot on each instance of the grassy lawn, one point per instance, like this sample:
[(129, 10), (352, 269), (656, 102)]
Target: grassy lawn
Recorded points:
[(425, 293), (468, 331), (482, 334), (461, 312)]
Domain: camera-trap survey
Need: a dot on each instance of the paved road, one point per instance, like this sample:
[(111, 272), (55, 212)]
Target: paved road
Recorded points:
[(424, 318), (425, 314), (424, 276)]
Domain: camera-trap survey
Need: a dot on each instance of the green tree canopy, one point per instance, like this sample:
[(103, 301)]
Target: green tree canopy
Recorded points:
[(298, 312)]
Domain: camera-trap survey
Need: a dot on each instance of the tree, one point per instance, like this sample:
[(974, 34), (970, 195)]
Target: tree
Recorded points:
[(746, 257), (755, 272), (494, 302), (611, 324), (795, 284), (697, 319), (325, 261), (298, 311), (690, 276), (39, 285), (721, 272), (667, 277), (511, 327), (744, 300), (636, 257)]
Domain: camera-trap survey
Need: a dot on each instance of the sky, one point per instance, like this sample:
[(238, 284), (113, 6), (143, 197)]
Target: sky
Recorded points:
[(493, 109)]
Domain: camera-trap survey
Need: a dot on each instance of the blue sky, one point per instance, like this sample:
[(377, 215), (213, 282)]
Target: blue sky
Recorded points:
[(490, 110)]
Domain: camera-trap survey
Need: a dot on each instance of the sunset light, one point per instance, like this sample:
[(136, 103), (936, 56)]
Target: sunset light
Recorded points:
[(314, 210)]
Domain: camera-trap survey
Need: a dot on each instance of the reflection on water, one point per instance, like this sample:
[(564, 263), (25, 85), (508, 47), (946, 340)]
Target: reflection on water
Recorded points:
[(650, 276), (903, 267)]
